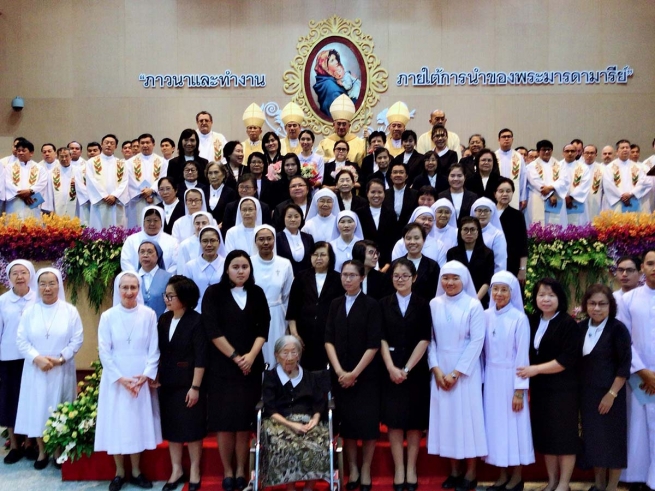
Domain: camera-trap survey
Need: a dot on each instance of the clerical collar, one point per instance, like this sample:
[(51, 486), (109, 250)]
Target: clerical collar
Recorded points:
[(294, 143)]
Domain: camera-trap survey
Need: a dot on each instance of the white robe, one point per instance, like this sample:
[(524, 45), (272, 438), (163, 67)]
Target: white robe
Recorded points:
[(342, 252), (144, 172), (128, 347), (456, 428), (512, 166), (183, 228), (83, 203), (426, 144), (204, 273), (636, 309), (130, 250), (506, 347), (623, 172), (240, 237), (211, 146), (11, 310), (495, 240), (19, 176), (595, 199), (321, 228), (61, 194), (535, 212), (188, 249), (275, 278), (41, 392), (106, 176), (579, 190), (432, 248)]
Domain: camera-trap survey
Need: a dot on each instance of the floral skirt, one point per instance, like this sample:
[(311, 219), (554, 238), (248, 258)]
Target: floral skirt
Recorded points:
[(288, 457)]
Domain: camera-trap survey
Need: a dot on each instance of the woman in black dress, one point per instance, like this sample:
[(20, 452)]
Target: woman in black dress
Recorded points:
[(233, 154), (192, 170), (429, 176), (378, 284), (187, 149), (513, 223), (606, 358), (484, 180), (236, 319), (183, 349), (378, 222), (272, 148), (290, 168), (477, 257), (352, 341), (406, 333), (427, 270), (292, 244), (312, 292), (173, 207), (218, 195), (555, 352)]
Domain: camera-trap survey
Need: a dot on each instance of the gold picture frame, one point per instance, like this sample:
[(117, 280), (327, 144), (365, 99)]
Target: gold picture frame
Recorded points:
[(334, 58)]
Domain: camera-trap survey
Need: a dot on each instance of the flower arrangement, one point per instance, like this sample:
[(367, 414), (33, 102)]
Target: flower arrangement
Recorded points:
[(626, 233), (310, 172), (274, 172), (94, 261), (573, 255), (71, 427)]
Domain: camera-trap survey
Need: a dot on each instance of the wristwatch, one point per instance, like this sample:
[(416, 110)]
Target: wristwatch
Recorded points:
[(453, 375), (234, 355), (62, 360), (195, 387), (406, 370)]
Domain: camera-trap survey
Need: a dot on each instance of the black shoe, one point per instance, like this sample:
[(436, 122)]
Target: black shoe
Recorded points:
[(240, 483), (452, 482), (466, 485), (411, 486), (141, 481), (194, 486), (116, 483), (228, 484), (13, 456), (500, 487), (39, 465), (352, 485), (31, 452), (399, 487), (170, 486), (365, 487), (57, 466), (518, 487)]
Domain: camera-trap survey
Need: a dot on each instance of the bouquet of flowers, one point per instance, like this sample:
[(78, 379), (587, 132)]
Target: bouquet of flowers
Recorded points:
[(274, 171), (94, 260), (626, 233), (350, 168), (310, 172), (71, 427)]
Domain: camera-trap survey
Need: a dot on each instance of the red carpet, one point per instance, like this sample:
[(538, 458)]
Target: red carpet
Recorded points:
[(156, 466)]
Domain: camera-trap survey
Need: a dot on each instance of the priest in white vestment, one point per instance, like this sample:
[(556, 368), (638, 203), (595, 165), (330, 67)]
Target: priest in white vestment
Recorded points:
[(595, 199), (144, 170), (24, 179), (210, 143), (624, 182), (62, 191), (577, 208), (512, 166), (548, 185)]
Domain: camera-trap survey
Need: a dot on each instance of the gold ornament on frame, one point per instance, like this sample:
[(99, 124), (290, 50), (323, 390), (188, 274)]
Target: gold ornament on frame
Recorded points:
[(335, 58)]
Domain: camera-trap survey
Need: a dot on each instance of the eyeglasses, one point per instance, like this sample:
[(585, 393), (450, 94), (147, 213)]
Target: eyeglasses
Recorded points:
[(403, 277), (209, 241), (506, 136), (246, 188), (602, 305), (625, 270), (194, 201), (297, 186), (340, 149), (190, 171), (482, 211), (147, 252), (349, 276), (168, 296), (288, 354), (469, 230)]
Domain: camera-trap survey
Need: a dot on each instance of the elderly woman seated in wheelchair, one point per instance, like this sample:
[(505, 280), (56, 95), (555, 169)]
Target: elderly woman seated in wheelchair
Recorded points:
[(295, 444)]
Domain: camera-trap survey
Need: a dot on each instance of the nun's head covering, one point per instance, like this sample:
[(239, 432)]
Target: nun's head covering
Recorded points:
[(358, 235), (424, 210), (61, 294), (272, 230), (221, 246), (455, 267), (209, 216), (445, 203), (143, 219), (507, 278), (322, 193), (494, 219), (160, 252), (202, 195), (117, 293), (258, 206), (30, 267)]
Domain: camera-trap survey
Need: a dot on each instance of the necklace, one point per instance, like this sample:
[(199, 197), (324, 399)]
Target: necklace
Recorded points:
[(48, 327), (129, 334)]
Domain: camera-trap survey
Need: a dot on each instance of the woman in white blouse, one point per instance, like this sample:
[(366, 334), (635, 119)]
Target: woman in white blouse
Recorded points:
[(49, 334), (349, 231), (194, 201), (207, 268), (190, 248), (152, 223), (492, 231)]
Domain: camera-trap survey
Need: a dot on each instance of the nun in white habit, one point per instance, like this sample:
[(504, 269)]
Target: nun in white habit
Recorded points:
[(190, 247), (506, 411), (194, 201), (206, 269), (242, 235), (456, 428), (152, 229), (348, 232), (492, 231), (49, 334), (433, 247), (128, 409), (445, 223), (322, 216), (274, 275)]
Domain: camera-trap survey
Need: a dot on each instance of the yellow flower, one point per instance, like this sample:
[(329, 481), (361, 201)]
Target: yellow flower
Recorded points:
[(64, 409), (46, 438), (74, 434)]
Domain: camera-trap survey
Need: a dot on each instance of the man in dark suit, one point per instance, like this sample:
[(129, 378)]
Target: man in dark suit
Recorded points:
[(400, 198), (376, 140)]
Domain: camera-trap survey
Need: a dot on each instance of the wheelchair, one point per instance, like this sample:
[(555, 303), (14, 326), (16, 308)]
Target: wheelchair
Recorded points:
[(335, 444)]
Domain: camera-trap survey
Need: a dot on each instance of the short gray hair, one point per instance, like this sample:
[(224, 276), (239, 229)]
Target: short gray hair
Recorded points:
[(284, 340)]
